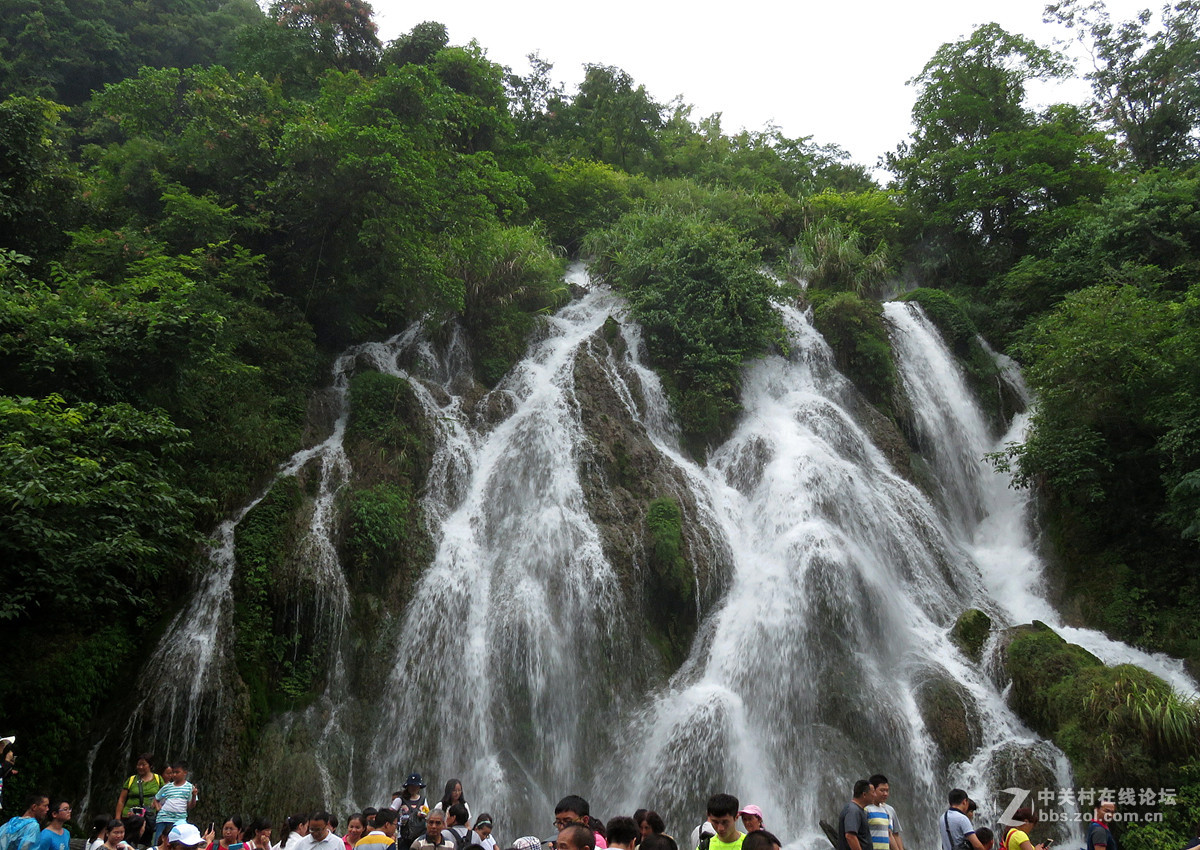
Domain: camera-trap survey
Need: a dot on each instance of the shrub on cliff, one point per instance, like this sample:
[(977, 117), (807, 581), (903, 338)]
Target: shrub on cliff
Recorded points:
[(854, 329), (698, 290)]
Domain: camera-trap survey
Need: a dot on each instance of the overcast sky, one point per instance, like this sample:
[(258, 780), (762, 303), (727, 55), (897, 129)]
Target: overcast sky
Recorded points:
[(834, 70)]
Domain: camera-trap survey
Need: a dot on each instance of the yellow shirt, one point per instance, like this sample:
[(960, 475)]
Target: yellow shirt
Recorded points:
[(1015, 839)]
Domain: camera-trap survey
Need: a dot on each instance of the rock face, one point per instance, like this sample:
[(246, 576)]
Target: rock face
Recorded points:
[(971, 632), (670, 567), (950, 718)]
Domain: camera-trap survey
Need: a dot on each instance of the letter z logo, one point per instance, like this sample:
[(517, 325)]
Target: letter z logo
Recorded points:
[(1018, 798)]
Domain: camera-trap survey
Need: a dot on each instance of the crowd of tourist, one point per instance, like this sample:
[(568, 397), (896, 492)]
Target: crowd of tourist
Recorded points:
[(152, 810)]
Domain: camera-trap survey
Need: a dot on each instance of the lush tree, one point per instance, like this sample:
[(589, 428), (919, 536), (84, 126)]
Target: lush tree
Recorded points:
[(93, 511), (340, 32), (613, 119), (985, 171), (1146, 83), (65, 49), (577, 196), (831, 256), (698, 289), (37, 182), (418, 46), (508, 275)]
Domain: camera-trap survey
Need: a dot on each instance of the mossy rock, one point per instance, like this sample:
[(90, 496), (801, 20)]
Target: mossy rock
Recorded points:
[(670, 583), (950, 718), (970, 632), (1119, 726), (1038, 661), (854, 329)]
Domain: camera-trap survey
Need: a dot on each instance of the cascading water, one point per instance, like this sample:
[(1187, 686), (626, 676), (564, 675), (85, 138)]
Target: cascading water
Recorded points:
[(517, 669), (1001, 542)]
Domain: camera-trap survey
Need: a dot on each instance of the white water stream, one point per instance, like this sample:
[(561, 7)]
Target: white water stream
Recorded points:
[(516, 669)]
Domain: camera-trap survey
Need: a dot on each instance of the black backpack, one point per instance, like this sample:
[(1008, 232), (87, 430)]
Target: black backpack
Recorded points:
[(461, 842)]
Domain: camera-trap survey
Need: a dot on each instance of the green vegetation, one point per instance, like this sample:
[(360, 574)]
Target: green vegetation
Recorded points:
[(698, 290), (385, 543), (1120, 726), (696, 287), (670, 583), (274, 652), (854, 329), (971, 631)]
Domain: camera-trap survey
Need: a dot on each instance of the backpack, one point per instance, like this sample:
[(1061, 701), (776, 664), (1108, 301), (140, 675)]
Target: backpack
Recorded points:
[(462, 842), (412, 829)]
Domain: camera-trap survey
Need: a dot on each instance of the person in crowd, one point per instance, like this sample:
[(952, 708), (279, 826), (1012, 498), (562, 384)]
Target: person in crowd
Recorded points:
[(481, 835), (258, 835), (21, 833), (1017, 837), (881, 818), (575, 835), (752, 818), (1195, 842), (656, 841), (721, 811), (434, 837), (1099, 836), (597, 826), (135, 803), (574, 809), (355, 829), (623, 834), (174, 800), (639, 818), (954, 826), (986, 837), (292, 832), (98, 832), (231, 835), (853, 831), (650, 823), (760, 839), (114, 836), (185, 836), (704, 830), (413, 798), (369, 817), (412, 810), (456, 825), (382, 834), (8, 763), (453, 794), (320, 834), (54, 836)]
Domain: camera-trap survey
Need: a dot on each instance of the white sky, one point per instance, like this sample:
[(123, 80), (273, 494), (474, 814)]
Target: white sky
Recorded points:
[(833, 70)]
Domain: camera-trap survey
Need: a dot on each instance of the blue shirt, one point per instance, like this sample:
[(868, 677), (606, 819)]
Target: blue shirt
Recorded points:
[(51, 840)]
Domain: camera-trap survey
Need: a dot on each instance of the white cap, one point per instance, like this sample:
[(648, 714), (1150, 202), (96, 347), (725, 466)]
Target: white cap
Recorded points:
[(185, 834)]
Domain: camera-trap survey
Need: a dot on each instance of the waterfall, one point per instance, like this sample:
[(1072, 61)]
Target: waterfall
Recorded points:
[(1001, 543), (517, 668)]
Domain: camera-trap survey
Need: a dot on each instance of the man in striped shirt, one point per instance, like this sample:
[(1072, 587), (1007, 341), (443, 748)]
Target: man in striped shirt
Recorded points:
[(881, 818), (174, 800)]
